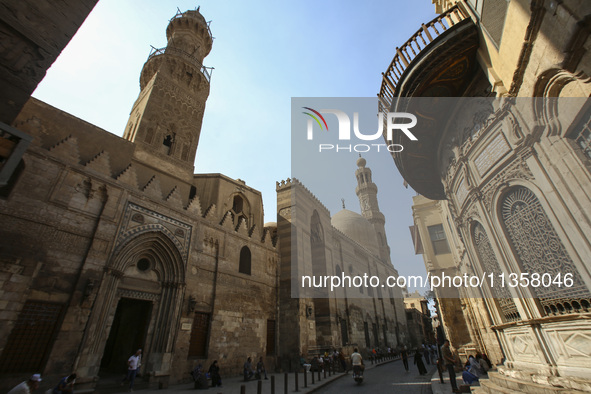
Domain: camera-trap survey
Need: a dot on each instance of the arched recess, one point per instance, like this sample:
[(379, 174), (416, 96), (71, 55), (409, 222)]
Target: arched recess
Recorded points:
[(538, 248), (244, 265), (489, 264), (319, 268), (241, 210), (558, 97), (147, 267)]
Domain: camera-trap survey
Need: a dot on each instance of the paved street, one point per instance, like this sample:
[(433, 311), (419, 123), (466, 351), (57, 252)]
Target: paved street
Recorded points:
[(385, 378)]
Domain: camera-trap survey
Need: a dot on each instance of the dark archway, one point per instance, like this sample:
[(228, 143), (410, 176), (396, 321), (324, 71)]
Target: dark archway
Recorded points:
[(147, 268)]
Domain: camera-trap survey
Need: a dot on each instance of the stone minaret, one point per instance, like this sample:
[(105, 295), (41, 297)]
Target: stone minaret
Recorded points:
[(165, 121), (367, 192)]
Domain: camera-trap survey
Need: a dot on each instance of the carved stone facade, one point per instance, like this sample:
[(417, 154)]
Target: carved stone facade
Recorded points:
[(517, 189), (111, 244), (344, 244)]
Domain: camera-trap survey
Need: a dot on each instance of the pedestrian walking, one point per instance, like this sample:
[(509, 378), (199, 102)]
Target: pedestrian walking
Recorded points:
[(418, 361), (343, 362), (404, 357), (449, 361), (133, 365), (214, 374), (426, 354)]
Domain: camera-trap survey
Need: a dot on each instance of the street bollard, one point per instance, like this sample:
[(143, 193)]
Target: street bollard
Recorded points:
[(272, 384), (296, 381), (285, 384), (242, 389), (305, 378), (319, 375), (312, 376), (324, 373), (259, 387)]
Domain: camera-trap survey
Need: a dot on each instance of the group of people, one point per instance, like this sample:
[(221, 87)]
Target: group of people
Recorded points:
[(258, 373), (65, 385), (476, 367), (424, 351), (324, 361), (200, 376)]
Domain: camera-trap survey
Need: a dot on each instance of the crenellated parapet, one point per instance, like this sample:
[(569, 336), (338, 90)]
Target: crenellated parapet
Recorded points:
[(289, 183)]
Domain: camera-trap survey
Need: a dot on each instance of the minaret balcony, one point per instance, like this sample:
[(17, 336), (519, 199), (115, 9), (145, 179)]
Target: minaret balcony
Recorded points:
[(206, 71)]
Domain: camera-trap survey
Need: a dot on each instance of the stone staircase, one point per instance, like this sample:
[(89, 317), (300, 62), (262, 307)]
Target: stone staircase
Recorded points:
[(498, 383)]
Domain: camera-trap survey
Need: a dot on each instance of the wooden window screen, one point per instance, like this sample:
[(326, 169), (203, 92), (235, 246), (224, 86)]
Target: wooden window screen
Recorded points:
[(31, 339), (199, 331)]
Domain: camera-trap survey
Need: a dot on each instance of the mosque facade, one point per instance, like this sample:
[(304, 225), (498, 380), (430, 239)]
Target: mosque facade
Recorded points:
[(109, 244), (346, 244)]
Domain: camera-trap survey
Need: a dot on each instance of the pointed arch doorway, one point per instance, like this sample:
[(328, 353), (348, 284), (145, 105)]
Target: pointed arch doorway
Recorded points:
[(128, 333), (138, 305)]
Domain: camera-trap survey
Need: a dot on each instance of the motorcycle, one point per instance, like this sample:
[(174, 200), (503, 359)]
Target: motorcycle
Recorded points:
[(358, 374)]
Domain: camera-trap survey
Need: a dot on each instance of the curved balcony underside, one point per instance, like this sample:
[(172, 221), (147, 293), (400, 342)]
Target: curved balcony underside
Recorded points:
[(444, 68)]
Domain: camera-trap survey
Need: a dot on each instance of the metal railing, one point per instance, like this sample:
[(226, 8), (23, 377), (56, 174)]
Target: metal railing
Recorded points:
[(412, 48), (206, 71), (180, 14)]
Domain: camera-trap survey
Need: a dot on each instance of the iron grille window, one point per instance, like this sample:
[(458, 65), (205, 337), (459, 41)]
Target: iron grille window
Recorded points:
[(488, 261), (438, 239), (199, 331), (540, 250), (31, 339)]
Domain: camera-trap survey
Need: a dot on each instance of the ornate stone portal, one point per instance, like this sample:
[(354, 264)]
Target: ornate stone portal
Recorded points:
[(513, 176)]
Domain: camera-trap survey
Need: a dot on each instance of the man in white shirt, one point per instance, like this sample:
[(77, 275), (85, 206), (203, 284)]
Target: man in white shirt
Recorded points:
[(357, 362), (28, 386), (133, 365)]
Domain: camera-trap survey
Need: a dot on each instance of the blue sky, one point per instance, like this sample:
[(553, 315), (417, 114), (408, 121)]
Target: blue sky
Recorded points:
[(264, 53)]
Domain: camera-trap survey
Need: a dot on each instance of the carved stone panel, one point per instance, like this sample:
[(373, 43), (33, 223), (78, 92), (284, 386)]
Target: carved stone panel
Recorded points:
[(495, 150), (522, 345), (571, 343), (138, 220)]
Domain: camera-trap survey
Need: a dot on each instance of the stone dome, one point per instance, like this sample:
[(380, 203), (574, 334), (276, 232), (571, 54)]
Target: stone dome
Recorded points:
[(356, 227)]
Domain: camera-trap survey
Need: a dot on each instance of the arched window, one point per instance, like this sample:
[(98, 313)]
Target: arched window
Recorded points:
[(244, 266), (237, 204), (490, 264), (539, 249)]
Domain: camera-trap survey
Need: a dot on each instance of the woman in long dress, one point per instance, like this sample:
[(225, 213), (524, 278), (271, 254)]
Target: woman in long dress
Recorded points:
[(419, 362)]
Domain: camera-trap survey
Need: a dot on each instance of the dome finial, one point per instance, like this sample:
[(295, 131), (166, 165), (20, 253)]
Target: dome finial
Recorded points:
[(343, 201), (361, 161)]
